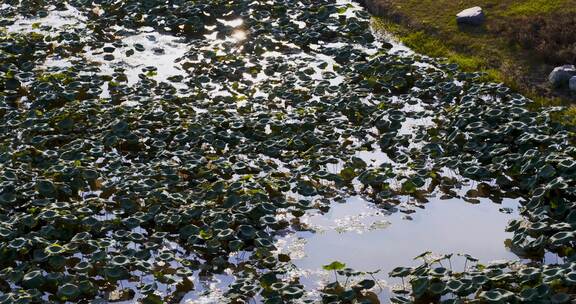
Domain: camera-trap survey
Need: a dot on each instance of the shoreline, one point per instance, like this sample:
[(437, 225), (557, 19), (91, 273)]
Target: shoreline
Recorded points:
[(475, 48)]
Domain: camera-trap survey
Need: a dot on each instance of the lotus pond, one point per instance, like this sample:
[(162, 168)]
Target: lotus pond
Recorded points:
[(217, 151)]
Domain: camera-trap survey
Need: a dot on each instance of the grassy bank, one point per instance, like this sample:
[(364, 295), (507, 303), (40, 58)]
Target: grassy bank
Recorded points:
[(520, 43)]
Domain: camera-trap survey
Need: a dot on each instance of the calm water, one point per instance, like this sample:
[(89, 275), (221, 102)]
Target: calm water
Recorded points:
[(367, 239)]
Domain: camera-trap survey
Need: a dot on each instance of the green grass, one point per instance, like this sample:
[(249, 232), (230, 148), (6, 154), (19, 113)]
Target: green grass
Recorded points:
[(426, 44), (422, 43), (477, 49), (534, 7), (438, 34)]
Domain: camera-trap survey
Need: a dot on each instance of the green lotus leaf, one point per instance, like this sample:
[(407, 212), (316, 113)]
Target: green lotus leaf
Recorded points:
[(262, 242), (46, 188), (438, 271), (68, 292), (8, 197), (279, 286), (437, 288), (54, 249), (455, 286), (136, 237), (236, 245), (570, 278), (83, 267), (57, 262), (143, 266), (529, 272), (420, 287), (19, 243), (6, 234), (33, 279), (529, 294), (268, 220), (152, 299), (495, 295), (562, 237), (293, 292), (364, 285), (348, 272), (246, 232), (553, 272), (166, 256), (400, 300), (81, 237), (87, 288), (184, 272), (400, 272), (334, 266), (120, 260), (115, 273)]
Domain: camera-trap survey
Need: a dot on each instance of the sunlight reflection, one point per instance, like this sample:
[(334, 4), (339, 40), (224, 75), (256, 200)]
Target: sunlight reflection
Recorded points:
[(239, 35)]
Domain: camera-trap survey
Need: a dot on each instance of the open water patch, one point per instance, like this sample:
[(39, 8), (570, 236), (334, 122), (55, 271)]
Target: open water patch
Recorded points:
[(367, 238)]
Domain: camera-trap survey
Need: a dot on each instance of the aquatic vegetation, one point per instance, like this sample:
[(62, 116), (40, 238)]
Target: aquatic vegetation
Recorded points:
[(145, 146), (357, 287), (497, 282)]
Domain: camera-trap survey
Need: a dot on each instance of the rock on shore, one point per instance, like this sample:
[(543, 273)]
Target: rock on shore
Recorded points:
[(561, 76), (471, 16), (572, 84)]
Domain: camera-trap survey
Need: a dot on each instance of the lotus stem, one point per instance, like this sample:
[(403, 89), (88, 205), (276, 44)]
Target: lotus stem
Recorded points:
[(378, 283)]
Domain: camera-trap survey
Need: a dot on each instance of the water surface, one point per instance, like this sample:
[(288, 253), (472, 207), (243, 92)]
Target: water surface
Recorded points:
[(367, 239)]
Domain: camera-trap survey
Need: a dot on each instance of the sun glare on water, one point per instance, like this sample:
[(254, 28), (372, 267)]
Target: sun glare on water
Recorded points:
[(239, 35)]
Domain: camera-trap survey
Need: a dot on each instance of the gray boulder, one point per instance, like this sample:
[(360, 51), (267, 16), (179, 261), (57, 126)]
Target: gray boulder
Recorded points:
[(471, 16), (572, 84), (561, 75)]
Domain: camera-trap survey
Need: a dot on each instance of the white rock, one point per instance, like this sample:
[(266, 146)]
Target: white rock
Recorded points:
[(561, 75), (471, 16), (572, 84)]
